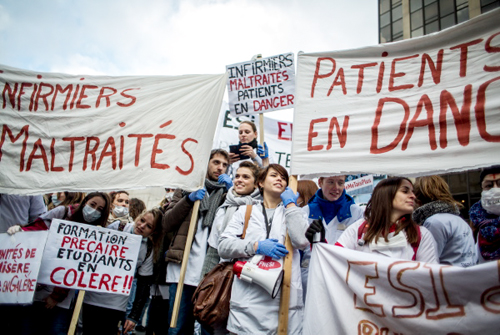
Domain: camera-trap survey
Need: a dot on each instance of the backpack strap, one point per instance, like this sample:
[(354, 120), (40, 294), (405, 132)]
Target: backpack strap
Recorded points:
[(416, 244), (247, 218)]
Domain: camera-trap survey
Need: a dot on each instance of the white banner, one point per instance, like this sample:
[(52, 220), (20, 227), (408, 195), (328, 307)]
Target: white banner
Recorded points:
[(277, 135), (421, 106), (82, 133), (20, 258), (352, 292), (261, 85), (89, 258)]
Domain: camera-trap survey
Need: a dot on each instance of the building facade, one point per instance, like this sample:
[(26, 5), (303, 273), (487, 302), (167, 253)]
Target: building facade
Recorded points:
[(402, 19)]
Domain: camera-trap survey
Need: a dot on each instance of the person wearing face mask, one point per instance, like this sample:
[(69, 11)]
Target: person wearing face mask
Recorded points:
[(120, 209), (249, 149), (485, 215), (167, 199), (51, 310)]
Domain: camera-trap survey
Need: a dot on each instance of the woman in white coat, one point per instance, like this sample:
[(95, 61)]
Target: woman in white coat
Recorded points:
[(253, 310)]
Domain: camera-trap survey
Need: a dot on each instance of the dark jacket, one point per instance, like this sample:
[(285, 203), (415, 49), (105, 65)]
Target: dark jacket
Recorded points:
[(176, 220)]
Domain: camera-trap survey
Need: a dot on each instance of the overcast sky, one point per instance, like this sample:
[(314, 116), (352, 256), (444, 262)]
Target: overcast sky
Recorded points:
[(170, 37)]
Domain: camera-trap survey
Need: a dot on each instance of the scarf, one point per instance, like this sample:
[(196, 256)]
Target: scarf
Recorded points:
[(211, 201), (234, 201), (320, 208), (436, 207), (488, 226)]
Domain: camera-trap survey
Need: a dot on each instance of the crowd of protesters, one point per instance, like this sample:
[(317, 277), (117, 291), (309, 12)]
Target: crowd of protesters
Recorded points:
[(405, 219)]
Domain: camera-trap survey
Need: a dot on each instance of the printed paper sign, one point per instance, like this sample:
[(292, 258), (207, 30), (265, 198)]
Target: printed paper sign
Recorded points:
[(421, 106), (89, 258), (365, 293), (20, 258), (277, 135), (262, 85), (361, 185), (80, 133)]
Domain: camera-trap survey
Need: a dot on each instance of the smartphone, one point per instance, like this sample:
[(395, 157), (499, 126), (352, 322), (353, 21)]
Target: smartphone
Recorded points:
[(236, 149)]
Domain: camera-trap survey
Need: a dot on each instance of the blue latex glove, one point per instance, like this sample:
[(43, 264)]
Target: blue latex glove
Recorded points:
[(225, 179), (197, 195), (271, 248), (263, 152), (288, 196)]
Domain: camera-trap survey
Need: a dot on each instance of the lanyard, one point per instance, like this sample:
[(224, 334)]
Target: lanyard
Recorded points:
[(268, 224)]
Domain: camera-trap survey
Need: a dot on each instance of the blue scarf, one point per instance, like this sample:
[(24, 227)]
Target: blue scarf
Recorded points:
[(320, 208)]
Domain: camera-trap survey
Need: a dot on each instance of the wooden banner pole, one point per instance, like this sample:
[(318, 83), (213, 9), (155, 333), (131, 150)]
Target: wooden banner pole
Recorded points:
[(185, 258), (76, 312), (287, 276)]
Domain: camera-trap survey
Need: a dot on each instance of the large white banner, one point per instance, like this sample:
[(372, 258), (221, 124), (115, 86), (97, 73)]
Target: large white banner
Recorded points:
[(64, 132), (20, 258), (261, 85), (352, 292), (420, 106), (84, 257), (277, 135)]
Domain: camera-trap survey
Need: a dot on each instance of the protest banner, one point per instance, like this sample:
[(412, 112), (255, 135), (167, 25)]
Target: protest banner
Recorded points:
[(20, 258), (89, 258), (80, 133), (361, 185), (261, 85), (421, 106), (353, 292), (277, 135)]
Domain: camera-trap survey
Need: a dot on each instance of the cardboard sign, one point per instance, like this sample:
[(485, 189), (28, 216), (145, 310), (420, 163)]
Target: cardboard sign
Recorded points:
[(262, 85), (353, 292), (422, 106), (81, 133), (277, 135), (89, 258), (20, 258)]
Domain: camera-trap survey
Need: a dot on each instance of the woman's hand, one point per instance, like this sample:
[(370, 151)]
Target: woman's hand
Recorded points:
[(247, 150), (233, 157), (50, 303), (128, 326), (289, 198), (14, 229), (271, 247)]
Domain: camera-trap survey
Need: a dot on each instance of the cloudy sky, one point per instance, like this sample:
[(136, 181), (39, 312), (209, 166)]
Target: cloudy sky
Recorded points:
[(173, 37)]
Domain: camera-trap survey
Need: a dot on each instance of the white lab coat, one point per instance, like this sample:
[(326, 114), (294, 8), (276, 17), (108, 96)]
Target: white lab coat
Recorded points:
[(253, 311)]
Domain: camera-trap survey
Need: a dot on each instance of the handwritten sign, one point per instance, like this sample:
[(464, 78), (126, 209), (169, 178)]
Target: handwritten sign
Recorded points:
[(364, 293), (420, 106), (277, 135), (105, 133), (20, 258), (262, 85), (84, 257)]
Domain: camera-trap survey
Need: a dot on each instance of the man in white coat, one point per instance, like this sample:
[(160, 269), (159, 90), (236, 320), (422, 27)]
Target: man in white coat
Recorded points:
[(330, 211)]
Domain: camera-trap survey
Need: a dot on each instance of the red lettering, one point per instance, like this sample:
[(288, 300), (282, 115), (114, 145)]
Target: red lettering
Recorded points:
[(43, 96), (105, 278), (281, 130), (83, 96), (186, 172), (6, 130), (38, 145), (313, 134), (480, 112), (80, 280), (321, 76), (395, 74), (461, 118), (72, 147), (53, 158), (105, 96), (11, 94), (72, 104), (156, 151), (59, 88), (132, 98), (123, 250), (138, 145), (491, 49), (112, 153), (339, 80), (68, 273), (361, 74), (435, 69), (91, 152), (92, 280), (341, 134), (463, 54), (115, 283), (423, 102), (378, 115), (21, 92), (53, 273)]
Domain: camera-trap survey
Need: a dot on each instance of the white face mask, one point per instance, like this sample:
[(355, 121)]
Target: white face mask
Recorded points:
[(169, 196), (55, 201), (90, 214), (120, 211), (490, 200)]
